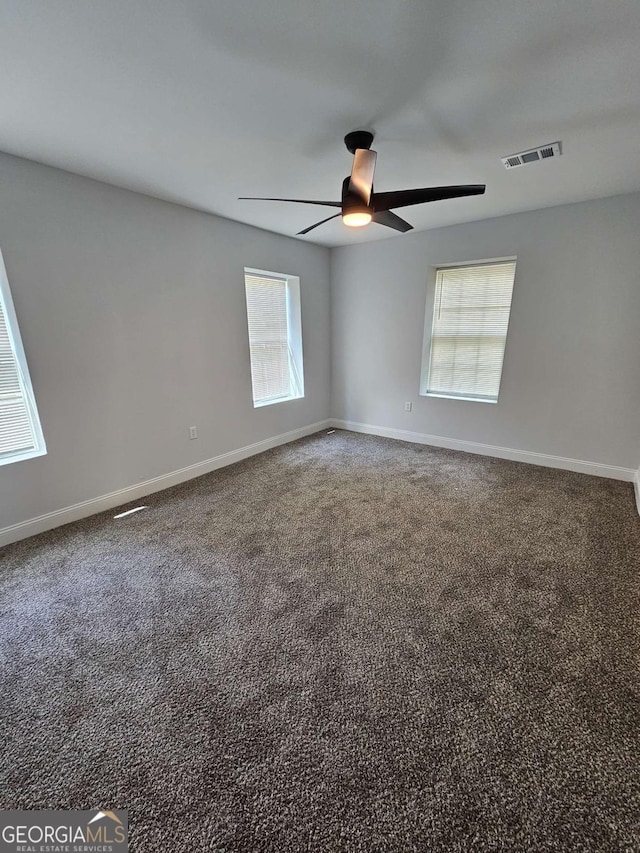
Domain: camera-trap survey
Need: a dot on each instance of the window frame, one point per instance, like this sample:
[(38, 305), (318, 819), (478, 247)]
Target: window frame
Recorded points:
[(294, 333), (15, 342), (429, 320)]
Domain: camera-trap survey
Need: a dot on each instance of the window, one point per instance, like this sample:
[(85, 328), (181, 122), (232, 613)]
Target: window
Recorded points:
[(20, 433), (275, 336), (464, 353)]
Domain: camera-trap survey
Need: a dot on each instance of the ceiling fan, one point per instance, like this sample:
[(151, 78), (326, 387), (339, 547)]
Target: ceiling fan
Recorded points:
[(360, 205)]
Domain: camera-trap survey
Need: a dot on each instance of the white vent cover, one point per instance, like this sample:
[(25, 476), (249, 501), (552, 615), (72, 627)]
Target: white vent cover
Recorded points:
[(533, 155)]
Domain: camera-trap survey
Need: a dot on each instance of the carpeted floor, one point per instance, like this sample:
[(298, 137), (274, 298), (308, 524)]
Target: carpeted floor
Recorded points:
[(344, 644)]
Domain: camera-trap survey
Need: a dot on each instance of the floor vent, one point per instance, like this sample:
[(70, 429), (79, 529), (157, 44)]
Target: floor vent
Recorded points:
[(533, 155)]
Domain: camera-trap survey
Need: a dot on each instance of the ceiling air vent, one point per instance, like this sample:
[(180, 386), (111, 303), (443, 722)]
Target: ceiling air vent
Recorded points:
[(544, 152)]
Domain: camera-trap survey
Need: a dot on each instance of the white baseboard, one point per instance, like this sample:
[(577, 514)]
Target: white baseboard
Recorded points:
[(582, 467), (68, 514), (131, 493)]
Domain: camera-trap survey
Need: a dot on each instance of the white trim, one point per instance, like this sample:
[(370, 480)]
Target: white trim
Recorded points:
[(24, 378), (294, 334), (131, 493), (430, 320), (459, 397), (582, 467), (636, 488), (262, 403), (22, 454), (477, 263)]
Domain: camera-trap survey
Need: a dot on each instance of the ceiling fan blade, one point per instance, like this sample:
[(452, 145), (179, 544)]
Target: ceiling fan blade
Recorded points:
[(364, 166), (322, 221), (386, 217), (296, 200), (404, 198)]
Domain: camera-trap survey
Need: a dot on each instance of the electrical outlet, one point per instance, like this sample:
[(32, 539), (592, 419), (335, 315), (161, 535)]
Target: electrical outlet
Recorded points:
[(193, 432), (408, 406)]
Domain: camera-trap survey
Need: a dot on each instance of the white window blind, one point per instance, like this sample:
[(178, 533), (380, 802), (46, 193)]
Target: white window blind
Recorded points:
[(274, 335), (469, 332), (20, 433)]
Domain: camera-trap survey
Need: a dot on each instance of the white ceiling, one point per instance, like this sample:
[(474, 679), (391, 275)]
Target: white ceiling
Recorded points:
[(201, 101)]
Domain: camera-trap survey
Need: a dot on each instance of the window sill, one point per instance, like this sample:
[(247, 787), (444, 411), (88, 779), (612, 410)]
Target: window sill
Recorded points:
[(458, 397), (19, 457), (262, 403)]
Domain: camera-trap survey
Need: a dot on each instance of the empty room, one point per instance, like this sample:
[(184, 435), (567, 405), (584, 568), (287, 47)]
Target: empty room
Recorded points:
[(319, 426)]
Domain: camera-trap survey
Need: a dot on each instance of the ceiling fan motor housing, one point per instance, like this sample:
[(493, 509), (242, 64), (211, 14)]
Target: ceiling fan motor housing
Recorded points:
[(358, 139)]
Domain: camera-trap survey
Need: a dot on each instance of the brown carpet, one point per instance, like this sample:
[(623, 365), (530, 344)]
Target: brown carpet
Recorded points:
[(346, 644)]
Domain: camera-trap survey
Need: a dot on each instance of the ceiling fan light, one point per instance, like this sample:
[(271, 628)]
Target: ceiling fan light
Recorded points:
[(356, 218)]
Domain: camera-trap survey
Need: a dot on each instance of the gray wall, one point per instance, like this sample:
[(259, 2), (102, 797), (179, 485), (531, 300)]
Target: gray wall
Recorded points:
[(571, 376), (133, 320)]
